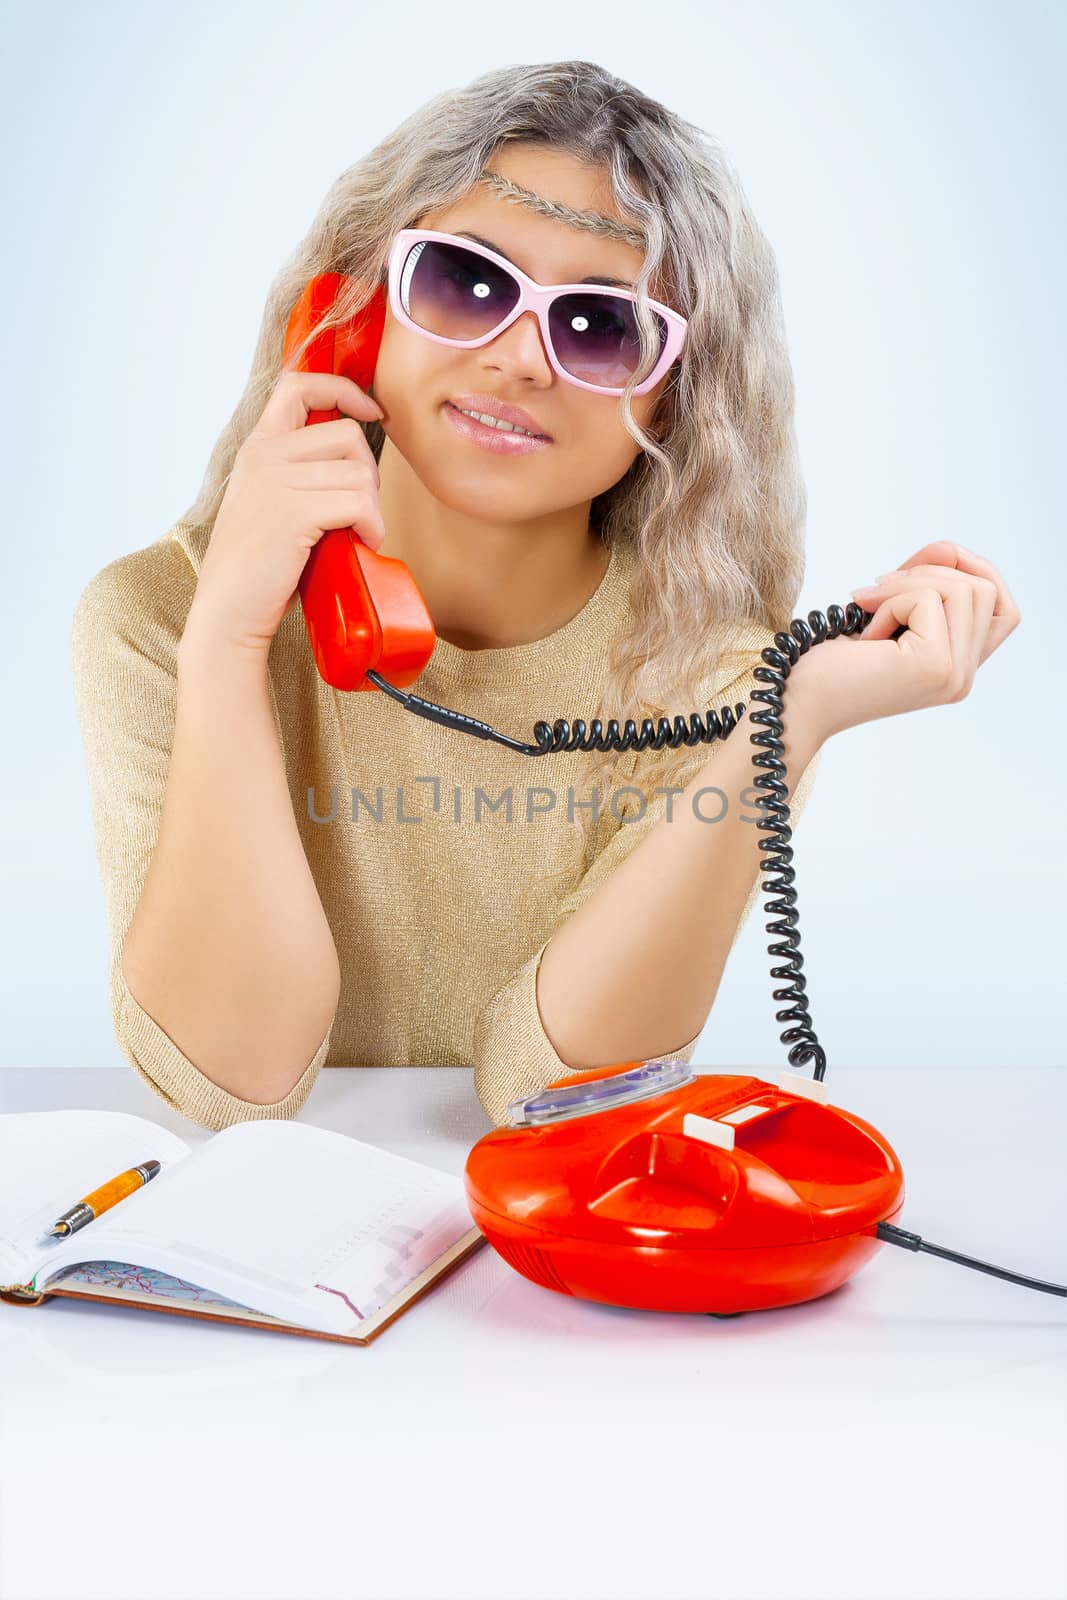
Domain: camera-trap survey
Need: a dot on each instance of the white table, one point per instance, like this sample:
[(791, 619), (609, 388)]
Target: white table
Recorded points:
[(904, 1437)]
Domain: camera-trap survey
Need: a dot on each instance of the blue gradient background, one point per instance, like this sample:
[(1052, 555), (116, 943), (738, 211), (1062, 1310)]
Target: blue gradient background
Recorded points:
[(905, 161)]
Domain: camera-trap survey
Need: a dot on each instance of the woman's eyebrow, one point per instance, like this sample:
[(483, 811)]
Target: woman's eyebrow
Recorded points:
[(612, 283)]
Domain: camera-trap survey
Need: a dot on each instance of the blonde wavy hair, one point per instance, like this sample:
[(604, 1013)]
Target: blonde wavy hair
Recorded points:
[(713, 506)]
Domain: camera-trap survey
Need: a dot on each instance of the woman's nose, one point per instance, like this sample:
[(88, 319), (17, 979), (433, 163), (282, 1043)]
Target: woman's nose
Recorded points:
[(520, 350)]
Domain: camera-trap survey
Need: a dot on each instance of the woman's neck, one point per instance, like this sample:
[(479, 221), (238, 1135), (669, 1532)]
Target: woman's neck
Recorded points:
[(488, 585)]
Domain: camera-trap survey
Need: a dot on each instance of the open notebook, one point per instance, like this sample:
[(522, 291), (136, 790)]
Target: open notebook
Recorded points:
[(271, 1223)]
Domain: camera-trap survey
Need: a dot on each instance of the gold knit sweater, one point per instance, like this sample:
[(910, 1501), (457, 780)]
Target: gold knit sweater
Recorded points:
[(440, 903)]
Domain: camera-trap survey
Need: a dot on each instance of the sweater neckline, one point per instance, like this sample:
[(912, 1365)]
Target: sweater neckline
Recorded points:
[(584, 634), (451, 666)]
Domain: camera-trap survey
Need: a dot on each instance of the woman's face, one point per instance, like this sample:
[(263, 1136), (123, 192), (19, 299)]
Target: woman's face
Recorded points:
[(415, 378)]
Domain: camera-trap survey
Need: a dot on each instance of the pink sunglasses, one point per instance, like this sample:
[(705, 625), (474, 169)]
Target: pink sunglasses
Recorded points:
[(456, 292)]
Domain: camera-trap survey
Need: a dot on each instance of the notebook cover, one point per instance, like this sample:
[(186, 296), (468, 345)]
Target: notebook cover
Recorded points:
[(432, 1275)]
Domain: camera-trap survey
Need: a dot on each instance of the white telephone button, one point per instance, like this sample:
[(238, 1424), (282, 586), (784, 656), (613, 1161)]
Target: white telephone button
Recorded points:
[(797, 1083), (706, 1128)]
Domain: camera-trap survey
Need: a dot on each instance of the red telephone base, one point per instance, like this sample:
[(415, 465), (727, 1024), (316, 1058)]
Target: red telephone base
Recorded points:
[(640, 1206)]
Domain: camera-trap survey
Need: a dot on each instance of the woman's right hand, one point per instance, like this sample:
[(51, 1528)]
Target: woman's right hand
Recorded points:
[(290, 484)]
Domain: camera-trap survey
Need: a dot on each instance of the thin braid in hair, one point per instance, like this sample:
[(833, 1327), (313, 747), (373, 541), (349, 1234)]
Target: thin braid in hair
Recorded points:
[(591, 221)]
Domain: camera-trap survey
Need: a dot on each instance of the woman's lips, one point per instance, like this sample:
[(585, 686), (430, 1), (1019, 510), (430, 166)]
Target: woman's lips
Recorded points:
[(499, 440)]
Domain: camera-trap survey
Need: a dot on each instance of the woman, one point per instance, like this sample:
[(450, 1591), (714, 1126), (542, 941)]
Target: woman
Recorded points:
[(297, 877)]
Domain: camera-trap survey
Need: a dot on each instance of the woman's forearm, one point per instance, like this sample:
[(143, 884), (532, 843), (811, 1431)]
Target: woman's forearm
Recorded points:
[(229, 950), (634, 971)]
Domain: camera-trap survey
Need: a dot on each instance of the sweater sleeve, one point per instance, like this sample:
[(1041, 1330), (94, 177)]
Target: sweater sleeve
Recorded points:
[(124, 659), (512, 1053)]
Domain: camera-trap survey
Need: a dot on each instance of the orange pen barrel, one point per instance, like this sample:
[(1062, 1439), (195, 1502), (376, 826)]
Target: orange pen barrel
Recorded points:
[(102, 1199), (110, 1193)]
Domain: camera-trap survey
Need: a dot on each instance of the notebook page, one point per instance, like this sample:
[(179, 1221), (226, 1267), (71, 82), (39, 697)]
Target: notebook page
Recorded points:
[(50, 1159), (302, 1223)]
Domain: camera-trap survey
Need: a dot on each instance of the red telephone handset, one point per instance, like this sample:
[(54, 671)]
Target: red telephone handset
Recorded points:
[(363, 611)]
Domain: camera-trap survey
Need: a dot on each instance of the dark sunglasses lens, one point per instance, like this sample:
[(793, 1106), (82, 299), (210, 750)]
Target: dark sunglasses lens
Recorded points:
[(596, 337), (455, 292)]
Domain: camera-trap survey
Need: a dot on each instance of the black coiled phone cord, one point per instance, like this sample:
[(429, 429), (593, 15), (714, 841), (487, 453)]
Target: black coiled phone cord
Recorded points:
[(770, 751)]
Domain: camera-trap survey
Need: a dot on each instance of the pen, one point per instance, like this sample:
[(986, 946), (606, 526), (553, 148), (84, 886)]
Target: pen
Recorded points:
[(102, 1199)]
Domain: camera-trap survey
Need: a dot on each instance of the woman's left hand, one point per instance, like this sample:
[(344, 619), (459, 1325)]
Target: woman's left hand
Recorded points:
[(957, 610)]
